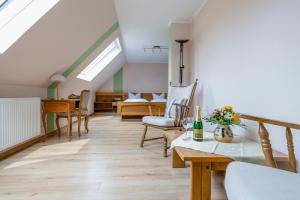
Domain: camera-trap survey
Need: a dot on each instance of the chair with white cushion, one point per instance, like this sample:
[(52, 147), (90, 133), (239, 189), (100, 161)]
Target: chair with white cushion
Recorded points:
[(244, 181), (178, 106)]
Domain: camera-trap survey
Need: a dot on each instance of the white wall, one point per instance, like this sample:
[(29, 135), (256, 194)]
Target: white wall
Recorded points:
[(145, 77), (108, 86), (246, 54), (12, 91), (141, 77)]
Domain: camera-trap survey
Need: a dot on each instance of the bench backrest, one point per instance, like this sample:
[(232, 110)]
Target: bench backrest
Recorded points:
[(265, 141)]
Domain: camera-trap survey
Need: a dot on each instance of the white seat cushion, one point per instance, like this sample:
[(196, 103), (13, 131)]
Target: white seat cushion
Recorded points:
[(158, 121), (246, 181)]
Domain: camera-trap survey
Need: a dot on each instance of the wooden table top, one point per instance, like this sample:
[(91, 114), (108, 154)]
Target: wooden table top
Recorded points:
[(199, 156), (194, 155)]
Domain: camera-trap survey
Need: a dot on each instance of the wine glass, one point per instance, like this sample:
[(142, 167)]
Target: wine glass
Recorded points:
[(187, 124)]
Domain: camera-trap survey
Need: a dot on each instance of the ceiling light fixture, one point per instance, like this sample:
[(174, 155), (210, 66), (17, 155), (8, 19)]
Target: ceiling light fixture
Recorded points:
[(156, 49), (57, 78)]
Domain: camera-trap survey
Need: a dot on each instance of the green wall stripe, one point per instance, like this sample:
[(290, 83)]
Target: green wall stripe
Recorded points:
[(51, 89), (50, 116), (118, 81)]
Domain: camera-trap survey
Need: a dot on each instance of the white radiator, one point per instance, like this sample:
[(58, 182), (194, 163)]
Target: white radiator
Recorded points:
[(20, 120)]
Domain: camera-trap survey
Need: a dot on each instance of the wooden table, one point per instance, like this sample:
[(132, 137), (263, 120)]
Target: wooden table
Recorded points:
[(202, 164), (58, 106)]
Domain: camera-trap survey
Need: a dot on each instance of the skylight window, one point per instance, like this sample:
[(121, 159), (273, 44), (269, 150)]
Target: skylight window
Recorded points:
[(101, 61), (17, 16)]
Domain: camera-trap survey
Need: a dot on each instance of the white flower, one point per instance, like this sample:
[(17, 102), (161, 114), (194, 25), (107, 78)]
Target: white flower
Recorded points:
[(228, 116)]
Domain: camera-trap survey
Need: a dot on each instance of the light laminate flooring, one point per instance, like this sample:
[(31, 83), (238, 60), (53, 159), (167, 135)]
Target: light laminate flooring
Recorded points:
[(105, 164)]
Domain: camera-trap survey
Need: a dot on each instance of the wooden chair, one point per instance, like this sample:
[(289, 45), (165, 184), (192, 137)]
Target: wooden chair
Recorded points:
[(179, 100), (80, 112)]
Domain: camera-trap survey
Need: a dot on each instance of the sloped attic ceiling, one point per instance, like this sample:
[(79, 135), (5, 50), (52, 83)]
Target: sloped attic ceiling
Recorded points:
[(56, 41), (144, 23)]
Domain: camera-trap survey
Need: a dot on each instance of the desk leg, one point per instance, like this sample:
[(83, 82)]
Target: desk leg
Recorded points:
[(200, 181), (57, 125), (69, 125), (176, 160), (44, 125)]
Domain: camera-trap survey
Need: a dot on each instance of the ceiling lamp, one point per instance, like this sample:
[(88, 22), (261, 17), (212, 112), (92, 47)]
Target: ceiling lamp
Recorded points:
[(156, 49), (57, 78)]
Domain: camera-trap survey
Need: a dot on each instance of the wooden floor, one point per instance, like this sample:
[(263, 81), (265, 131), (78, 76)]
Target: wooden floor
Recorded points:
[(106, 164)]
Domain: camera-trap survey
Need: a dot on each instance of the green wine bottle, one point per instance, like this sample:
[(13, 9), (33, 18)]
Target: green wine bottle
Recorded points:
[(198, 127)]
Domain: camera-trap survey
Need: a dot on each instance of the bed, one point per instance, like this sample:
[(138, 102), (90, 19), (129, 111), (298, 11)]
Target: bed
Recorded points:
[(137, 108)]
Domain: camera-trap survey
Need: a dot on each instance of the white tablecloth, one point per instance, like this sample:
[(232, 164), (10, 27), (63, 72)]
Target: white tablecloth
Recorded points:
[(241, 149)]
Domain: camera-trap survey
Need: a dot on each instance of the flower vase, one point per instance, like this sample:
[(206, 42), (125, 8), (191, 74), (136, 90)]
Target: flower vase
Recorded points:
[(223, 133)]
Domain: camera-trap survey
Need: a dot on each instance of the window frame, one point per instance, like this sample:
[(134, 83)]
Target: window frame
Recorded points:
[(104, 58)]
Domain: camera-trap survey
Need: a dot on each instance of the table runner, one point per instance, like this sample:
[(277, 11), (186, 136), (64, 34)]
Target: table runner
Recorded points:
[(241, 149)]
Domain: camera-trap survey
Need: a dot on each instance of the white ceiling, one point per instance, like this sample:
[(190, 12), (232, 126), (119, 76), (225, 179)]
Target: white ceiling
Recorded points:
[(144, 23)]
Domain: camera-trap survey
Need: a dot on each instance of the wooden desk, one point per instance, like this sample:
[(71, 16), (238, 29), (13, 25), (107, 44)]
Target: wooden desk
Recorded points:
[(202, 164), (58, 106)]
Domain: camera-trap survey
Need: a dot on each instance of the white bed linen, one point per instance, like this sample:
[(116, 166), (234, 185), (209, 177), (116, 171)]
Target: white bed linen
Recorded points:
[(136, 100), (159, 100)]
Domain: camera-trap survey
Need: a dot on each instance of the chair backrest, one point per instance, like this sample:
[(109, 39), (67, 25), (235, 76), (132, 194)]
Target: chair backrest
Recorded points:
[(84, 99), (265, 141), (181, 95)]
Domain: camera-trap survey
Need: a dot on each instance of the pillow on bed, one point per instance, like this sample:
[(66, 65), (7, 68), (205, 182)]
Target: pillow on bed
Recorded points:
[(155, 96), (134, 96)]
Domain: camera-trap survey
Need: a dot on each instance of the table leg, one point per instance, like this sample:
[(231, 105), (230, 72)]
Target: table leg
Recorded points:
[(200, 181), (79, 125), (44, 125), (176, 160), (57, 126), (69, 125)]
